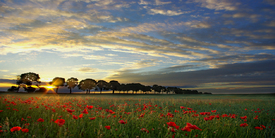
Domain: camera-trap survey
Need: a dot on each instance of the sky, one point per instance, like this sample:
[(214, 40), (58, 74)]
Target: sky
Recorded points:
[(218, 46)]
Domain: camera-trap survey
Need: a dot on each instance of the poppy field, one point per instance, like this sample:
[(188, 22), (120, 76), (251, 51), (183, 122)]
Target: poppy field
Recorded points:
[(155, 116)]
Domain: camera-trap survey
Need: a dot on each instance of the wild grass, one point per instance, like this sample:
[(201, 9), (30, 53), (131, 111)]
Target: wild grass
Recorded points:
[(146, 115)]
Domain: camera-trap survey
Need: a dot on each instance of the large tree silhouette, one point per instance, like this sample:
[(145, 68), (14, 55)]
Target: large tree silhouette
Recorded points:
[(102, 84), (114, 85), (71, 83), (57, 82), (87, 85), (28, 79)]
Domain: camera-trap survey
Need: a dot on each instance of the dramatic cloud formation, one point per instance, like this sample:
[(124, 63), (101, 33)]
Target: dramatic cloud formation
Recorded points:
[(204, 44)]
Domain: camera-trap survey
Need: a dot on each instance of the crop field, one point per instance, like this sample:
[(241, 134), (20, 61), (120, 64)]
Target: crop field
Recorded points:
[(136, 116)]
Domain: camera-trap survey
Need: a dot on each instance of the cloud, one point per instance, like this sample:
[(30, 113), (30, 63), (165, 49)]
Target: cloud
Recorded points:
[(143, 63), (219, 4), (4, 70), (86, 70), (249, 73), (166, 12), (158, 2), (271, 2), (143, 2), (271, 24)]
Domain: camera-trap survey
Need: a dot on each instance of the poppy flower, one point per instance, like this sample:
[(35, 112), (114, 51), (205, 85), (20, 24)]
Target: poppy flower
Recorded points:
[(171, 124), (108, 127), (92, 118), (75, 117), (25, 130), (193, 126), (122, 122), (260, 128), (70, 110), (186, 129), (85, 111), (89, 107), (60, 122), (1, 111), (17, 128), (144, 130), (244, 117), (40, 120), (213, 111), (243, 125), (80, 116)]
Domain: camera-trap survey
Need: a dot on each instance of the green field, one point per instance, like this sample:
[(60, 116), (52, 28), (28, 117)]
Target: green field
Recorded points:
[(133, 116)]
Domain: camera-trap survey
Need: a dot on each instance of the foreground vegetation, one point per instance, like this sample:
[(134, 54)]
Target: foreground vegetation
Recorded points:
[(52, 115)]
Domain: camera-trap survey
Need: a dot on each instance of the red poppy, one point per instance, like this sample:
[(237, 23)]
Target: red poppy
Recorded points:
[(122, 122), (70, 110), (17, 128), (25, 130), (108, 127), (60, 122), (27, 124), (186, 129), (85, 111), (80, 116), (1, 111), (213, 111), (244, 117), (92, 118), (75, 117), (144, 130), (40, 120), (171, 124), (243, 125), (90, 107), (260, 128), (193, 126), (263, 126)]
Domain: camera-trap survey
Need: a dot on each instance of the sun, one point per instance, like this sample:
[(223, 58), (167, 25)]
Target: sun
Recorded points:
[(49, 87)]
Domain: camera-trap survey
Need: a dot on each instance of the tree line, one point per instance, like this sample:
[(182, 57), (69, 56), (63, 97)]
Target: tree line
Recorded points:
[(26, 80)]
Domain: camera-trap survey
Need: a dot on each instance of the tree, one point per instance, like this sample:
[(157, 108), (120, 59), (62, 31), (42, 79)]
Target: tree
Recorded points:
[(28, 79), (157, 88), (71, 83), (113, 85), (170, 89), (57, 81), (148, 89), (87, 85), (102, 84)]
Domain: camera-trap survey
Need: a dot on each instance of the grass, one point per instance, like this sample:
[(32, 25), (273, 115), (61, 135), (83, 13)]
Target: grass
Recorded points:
[(146, 115)]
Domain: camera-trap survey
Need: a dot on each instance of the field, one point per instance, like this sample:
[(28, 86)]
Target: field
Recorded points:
[(136, 116)]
